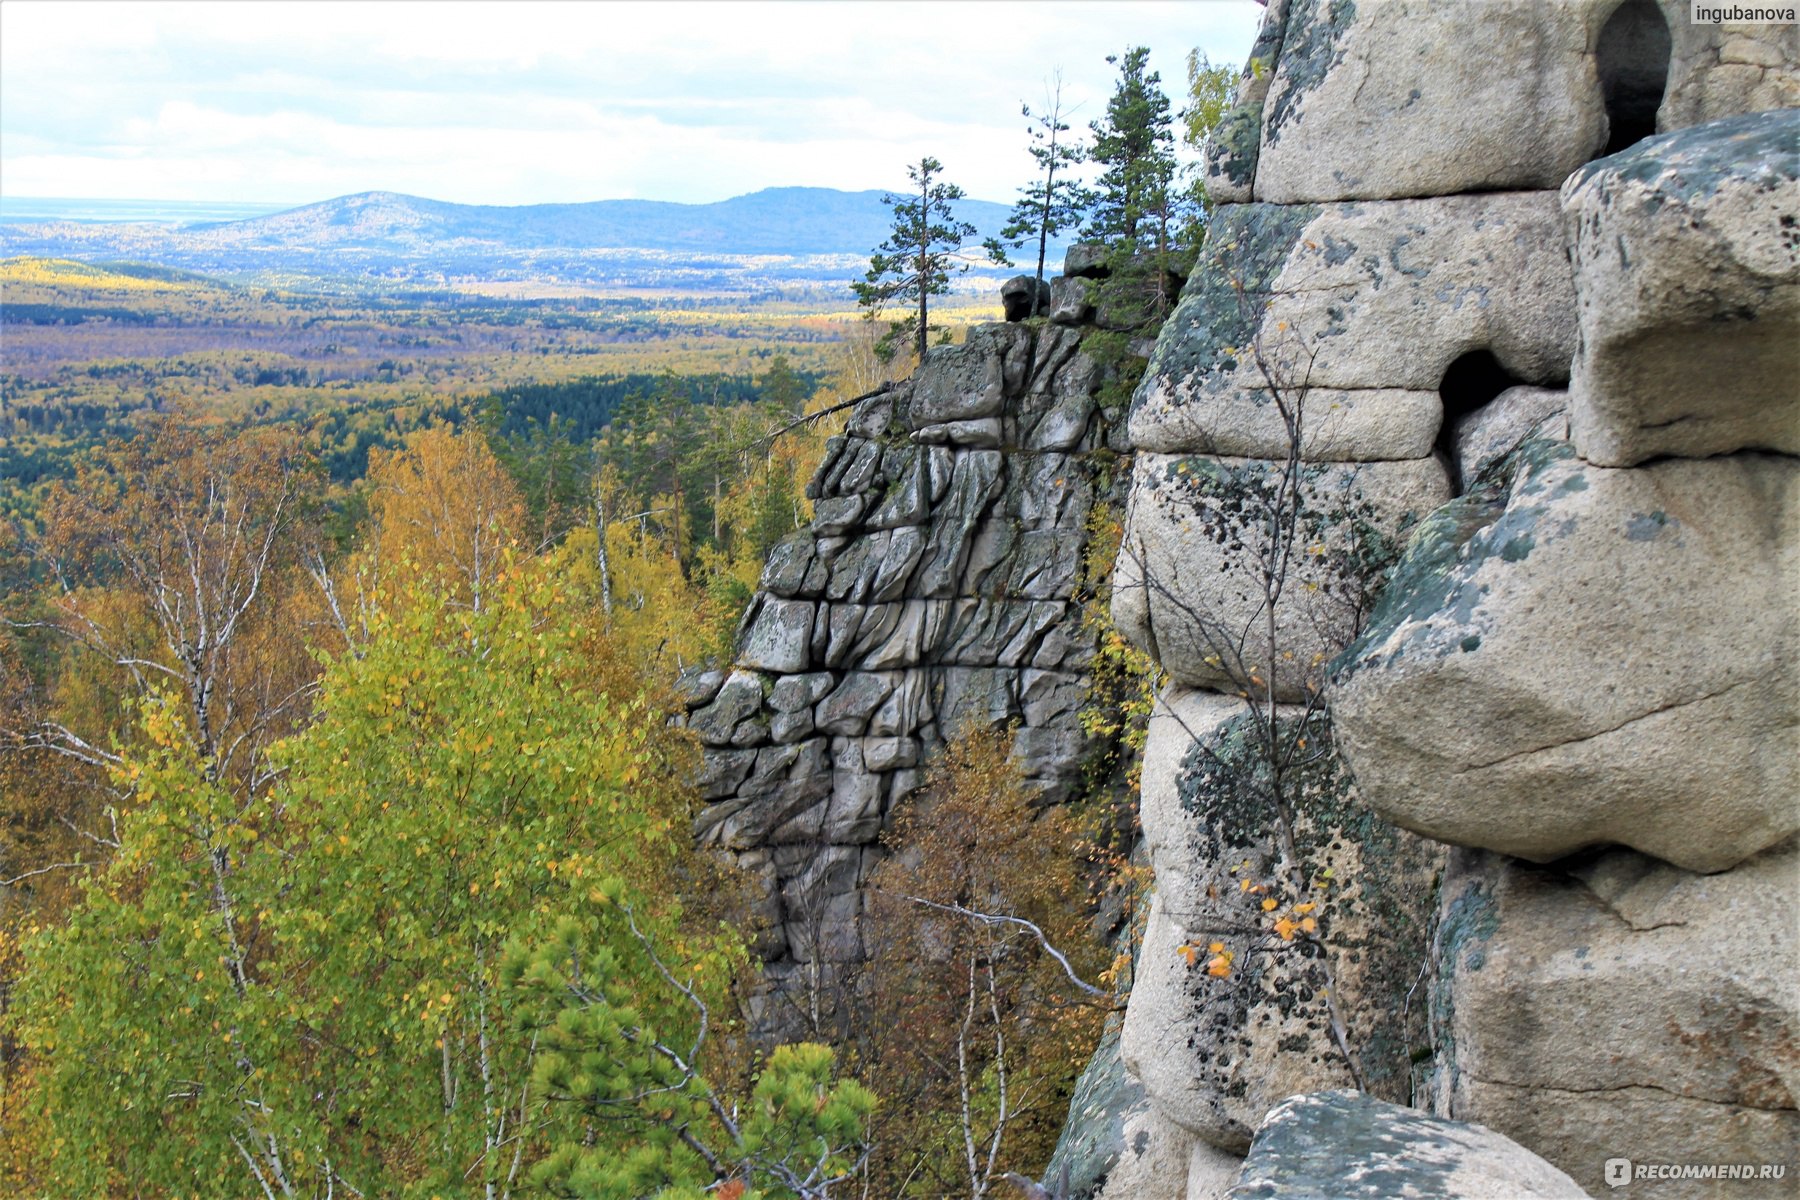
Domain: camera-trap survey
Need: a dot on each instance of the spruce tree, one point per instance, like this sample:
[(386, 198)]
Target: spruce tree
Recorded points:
[(1135, 144), (1052, 202), (916, 261)]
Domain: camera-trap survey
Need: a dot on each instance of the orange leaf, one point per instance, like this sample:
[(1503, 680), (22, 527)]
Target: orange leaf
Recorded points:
[(1216, 948), (1303, 909), (1310, 925), (1285, 928), (1219, 967), (1269, 905)]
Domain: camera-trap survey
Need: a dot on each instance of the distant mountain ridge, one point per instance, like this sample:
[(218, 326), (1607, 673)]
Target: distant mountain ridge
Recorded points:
[(784, 221), (775, 236)]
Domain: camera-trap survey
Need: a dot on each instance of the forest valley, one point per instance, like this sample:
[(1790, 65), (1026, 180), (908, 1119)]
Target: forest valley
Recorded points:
[(346, 844)]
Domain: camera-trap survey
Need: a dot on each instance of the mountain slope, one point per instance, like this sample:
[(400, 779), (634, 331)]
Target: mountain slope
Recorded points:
[(787, 221)]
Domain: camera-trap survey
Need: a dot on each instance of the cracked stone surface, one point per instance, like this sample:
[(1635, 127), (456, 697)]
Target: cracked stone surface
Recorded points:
[(1214, 1053), (935, 587), (1588, 655), (1687, 252), (1549, 669), (1616, 1006), (1345, 1145), (1347, 316)]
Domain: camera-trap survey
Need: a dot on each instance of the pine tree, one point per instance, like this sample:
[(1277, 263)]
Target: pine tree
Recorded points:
[(916, 261), (1049, 204), (1135, 143)]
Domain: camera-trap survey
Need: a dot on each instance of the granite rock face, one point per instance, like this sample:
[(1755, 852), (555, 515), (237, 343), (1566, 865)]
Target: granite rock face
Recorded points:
[(1202, 584), (1547, 671), (1343, 100), (1616, 1006), (1688, 262), (1216, 1050), (935, 588), (1345, 1145), (1520, 287), (1344, 318)]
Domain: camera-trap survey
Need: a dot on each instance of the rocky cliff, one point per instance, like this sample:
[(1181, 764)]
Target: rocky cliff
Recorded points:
[(1465, 517), (936, 587)]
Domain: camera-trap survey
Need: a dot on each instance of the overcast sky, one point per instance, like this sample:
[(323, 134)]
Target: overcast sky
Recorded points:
[(576, 100)]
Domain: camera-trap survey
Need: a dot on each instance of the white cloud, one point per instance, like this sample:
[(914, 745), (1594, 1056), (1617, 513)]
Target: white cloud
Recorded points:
[(528, 102)]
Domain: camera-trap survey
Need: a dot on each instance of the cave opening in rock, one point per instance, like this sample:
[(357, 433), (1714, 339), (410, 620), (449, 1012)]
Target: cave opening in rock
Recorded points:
[(1470, 383), (1632, 58)]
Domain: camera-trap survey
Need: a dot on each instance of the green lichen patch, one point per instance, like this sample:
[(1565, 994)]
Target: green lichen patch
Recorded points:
[(1311, 47), (1222, 305)]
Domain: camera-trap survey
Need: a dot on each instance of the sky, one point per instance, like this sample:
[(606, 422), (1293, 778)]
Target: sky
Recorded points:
[(523, 103)]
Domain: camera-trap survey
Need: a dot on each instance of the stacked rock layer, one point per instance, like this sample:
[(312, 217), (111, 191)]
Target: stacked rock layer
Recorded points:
[(935, 588), (1478, 421)]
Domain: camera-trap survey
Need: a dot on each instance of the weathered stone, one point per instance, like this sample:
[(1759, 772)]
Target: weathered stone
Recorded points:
[(837, 514), (983, 696), (1046, 695), (1553, 672), (908, 499), (1728, 69), (697, 686), (784, 574), (1344, 1145), (981, 434), (1064, 427), (1196, 565), (794, 692), (872, 417), (1374, 298), (1614, 1006), (888, 753), (900, 603), (738, 701), (1021, 294), (1483, 438), (846, 710), (1379, 101), (1231, 148), (963, 383), (722, 771), (1086, 260), (1216, 1052), (1687, 265), (1106, 1098), (1070, 301), (778, 638), (1153, 1163), (790, 727)]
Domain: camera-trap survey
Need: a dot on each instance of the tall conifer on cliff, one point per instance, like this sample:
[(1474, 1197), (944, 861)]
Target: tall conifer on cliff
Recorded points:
[(916, 261)]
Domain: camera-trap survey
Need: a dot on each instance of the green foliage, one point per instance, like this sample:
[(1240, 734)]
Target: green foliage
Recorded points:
[(310, 988), (917, 259), (1134, 144), (1053, 201), (624, 1060)]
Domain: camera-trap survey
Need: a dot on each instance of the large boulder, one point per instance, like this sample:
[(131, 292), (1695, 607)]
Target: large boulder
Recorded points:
[(1606, 655), (1687, 265), (1419, 98), (1345, 1145), (1601, 656), (1346, 318), (1613, 1006), (1267, 934), (1197, 566), (1727, 69)]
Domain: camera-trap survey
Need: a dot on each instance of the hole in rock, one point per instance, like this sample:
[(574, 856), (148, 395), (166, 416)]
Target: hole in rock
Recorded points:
[(1470, 383), (1632, 58)]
